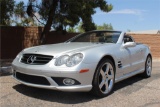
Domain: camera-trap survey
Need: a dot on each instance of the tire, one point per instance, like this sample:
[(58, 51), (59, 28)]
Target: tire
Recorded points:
[(104, 78), (148, 67)]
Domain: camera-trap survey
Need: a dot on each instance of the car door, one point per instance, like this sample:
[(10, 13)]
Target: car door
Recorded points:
[(124, 61), (135, 55)]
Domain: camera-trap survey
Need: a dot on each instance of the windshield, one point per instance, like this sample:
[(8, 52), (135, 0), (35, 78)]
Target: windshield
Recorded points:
[(97, 36)]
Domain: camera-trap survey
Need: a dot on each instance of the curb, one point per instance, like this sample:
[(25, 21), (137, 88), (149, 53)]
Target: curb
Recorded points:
[(6, 70)]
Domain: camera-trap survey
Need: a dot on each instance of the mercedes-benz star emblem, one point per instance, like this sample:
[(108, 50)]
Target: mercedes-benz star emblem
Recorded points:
[(31, 59)]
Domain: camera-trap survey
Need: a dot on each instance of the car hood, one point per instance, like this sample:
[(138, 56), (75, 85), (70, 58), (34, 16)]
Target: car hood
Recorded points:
[(61, 48)]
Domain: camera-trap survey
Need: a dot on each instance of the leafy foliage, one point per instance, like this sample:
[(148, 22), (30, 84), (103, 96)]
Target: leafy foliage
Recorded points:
[(12, 13), (79, 29), (21, 18), (70, 12), (71, 30), (6, 11), (104, 27), (19, 9)]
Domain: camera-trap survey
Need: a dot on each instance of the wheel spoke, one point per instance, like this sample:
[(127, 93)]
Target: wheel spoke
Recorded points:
[(149, 69), (101, 84), (107, 69), (110, 77), (102, 73), (149, 64), (106, 84)]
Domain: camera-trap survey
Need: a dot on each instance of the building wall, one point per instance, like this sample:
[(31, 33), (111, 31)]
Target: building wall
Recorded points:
[(14, 39), (152, 40)]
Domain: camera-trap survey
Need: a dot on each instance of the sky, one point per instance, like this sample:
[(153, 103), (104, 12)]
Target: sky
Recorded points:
[(133, 15)]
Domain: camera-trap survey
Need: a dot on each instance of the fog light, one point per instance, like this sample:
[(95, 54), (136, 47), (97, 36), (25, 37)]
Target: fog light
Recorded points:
[(68, 81)]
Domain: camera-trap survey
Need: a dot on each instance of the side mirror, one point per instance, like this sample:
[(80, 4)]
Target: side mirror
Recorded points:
[(129, 44), (126, 39)]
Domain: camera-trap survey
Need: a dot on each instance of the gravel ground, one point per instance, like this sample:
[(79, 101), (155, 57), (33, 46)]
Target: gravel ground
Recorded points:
[(133, 92)]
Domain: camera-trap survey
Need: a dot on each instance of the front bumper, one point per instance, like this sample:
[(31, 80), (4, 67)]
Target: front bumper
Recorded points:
[(48, 72), (78, 88)]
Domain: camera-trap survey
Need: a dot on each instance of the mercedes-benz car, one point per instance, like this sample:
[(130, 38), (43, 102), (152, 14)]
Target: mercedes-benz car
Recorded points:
[(93, 61)]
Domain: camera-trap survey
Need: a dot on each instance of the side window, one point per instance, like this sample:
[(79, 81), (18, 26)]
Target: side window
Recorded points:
[(128, 39)]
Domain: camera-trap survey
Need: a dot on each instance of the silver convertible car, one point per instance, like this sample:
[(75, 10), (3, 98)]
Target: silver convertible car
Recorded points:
[(92, 61)]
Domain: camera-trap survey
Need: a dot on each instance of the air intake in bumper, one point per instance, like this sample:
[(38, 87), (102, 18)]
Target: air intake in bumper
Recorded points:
[(31, 79)]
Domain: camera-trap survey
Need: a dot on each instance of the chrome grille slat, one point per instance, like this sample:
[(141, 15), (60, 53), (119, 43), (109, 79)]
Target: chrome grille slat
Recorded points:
[(38, 59), (42, 60)]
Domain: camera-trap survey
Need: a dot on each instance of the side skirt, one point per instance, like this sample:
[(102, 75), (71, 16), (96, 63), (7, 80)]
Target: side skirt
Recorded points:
[(125, 76)]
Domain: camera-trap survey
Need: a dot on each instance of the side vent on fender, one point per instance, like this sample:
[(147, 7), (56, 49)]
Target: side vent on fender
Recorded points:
[(119, 64)]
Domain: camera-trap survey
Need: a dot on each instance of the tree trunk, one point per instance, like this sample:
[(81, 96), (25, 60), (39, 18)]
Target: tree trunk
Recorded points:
[(49, 22)]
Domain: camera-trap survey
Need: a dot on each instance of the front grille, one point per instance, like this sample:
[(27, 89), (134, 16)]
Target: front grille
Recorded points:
[(36, 59), (31, 79)]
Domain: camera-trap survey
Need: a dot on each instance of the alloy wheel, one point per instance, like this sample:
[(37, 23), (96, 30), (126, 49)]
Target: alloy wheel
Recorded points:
[(148, 66), (106, 78)]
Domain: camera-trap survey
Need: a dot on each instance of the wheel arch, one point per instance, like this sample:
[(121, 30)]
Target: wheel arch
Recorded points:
[(108, 57), (149, 55)]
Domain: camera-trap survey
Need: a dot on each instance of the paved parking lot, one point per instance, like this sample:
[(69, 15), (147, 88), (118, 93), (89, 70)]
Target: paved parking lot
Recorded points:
[(133, 92)]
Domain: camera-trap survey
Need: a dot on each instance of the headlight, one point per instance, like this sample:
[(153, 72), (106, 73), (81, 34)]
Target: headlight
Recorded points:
[(74, 60), (62, 60), (69, 60)]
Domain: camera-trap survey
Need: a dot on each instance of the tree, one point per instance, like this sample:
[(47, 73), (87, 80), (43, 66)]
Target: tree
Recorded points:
[(19, 10), (20, 16), (79, 29), (128, 30), (12, 13), (104, 27), (6, 11), (71, 30), (62, 13)]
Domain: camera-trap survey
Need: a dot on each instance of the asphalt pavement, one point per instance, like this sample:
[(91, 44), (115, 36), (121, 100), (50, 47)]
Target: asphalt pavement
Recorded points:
[(132, 92)]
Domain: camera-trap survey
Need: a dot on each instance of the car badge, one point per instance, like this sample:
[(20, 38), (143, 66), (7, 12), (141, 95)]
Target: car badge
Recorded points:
[(31, 59)]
